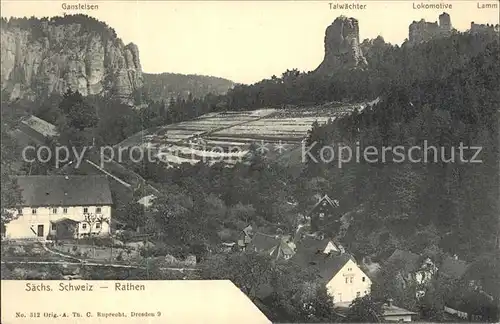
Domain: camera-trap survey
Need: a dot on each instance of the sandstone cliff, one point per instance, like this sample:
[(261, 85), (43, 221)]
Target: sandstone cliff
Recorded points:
[(42, 56), (422, 31), (342, 48)]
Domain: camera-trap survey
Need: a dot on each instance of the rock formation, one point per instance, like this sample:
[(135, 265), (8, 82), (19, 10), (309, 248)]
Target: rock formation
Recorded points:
[(422, 31), (482, 28), (39, 57), (342, 48)]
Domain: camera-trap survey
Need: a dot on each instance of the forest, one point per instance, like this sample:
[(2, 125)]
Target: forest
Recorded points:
[(444, 92)]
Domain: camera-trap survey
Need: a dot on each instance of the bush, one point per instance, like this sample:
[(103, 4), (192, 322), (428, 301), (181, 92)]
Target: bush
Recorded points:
[(157, 250), (125, 236)]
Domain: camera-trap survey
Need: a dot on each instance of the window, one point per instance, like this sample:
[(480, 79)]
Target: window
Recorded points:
[(358, 294), (363, 279), (54, 210), (350, 279), (65, 210), (346, 279), (53, 226), (84, 226), (33, 211), (19, 211), (85, 210), (98, 210), (98, 225)]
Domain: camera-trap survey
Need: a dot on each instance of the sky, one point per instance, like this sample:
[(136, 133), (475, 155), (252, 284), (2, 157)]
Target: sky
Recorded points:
[(251, 40)]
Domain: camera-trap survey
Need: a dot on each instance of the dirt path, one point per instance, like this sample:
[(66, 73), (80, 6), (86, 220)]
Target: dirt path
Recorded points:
[(89, 263), (44, 245)]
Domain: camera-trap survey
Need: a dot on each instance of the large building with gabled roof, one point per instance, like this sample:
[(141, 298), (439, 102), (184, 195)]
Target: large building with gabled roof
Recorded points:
[(338, 271), (61, 207)]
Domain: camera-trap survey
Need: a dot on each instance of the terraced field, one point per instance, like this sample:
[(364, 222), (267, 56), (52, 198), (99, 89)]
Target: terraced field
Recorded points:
[(227, 136)]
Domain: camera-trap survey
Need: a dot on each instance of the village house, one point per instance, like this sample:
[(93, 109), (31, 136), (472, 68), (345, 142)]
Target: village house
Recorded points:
[(392, 313), (413, 268), (61, 207), (245, 237), (324, 215), (343, 279), (336, 269), (277, 246)]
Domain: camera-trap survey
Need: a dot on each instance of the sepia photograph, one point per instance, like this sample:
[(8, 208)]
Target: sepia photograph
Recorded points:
[(316, 161)]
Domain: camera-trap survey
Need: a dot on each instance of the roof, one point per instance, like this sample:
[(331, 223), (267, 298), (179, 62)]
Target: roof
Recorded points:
[(282, 249), (147, 201), (408, 259), (88, 190), (299, 232), (327, 200), (453, 268), (263, 242), (41, 126), (396, 311), (311, 244), (248, 230), (65, 219), (326, 265)]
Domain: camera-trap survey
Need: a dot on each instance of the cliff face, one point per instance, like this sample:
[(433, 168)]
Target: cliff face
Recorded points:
[(342, 48), (422, 31), (42, 57)]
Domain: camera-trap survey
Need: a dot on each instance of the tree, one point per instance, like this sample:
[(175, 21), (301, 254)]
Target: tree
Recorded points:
[(11, 198), (93, 220), (298, 297), (76, 120), (10, 191), (247, 270), (364, 310), (134, 215)]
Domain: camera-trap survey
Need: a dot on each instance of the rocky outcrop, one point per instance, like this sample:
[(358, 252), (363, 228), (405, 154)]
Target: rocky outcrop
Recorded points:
[(45, 56), (482, 28), (422, 31), (342, 48)]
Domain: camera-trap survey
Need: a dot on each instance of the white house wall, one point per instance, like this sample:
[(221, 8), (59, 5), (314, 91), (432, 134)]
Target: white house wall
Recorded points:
[(330, 247), (26, 225), (346, 292), (398, 318)]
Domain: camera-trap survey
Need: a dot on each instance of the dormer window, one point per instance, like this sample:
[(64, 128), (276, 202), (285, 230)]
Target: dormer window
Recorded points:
[(19, 211)]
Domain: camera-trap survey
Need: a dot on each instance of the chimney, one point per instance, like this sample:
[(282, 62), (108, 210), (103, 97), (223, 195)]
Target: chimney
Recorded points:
[(389, 302)]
